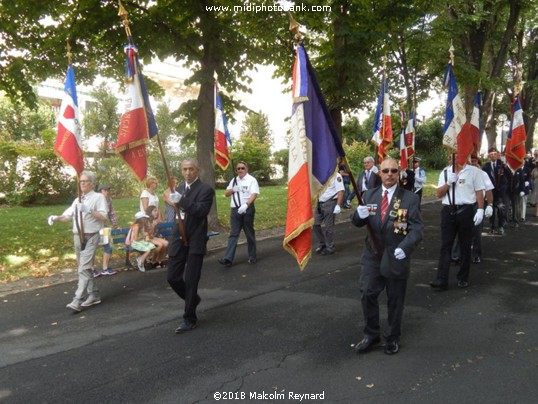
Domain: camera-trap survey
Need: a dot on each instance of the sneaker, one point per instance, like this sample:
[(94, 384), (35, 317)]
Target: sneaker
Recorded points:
[(140, 265), (463, 284), (91, 300), (108, 271), (252, 261), (74, 305), (96, 273)]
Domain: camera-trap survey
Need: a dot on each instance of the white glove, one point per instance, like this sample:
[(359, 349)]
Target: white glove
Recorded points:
[(81, 208), (236, 188), (399, 254), (452, 178), (363, 211), (479, 215), (404, 174), (242, 209), (522, 193), (336, 210), (175, 197), (527, 183), (489, 211), (52, 219)]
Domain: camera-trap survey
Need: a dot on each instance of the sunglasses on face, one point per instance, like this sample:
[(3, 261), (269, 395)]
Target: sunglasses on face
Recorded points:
[(392, 170), (241, 168)]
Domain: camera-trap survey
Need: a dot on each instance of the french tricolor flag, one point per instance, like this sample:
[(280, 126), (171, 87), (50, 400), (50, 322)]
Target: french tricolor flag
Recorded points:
[(137, 124), (515, 141), (68, 143), (456, 132), (314, 151)]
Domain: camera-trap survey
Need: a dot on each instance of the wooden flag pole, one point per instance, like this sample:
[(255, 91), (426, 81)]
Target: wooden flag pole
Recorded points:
[(122, 13)]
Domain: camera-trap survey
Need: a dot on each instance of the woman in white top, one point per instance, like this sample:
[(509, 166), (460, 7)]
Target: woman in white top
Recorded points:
[(149, 196)]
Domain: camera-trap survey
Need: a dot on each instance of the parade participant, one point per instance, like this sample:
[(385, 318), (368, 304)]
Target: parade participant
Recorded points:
[(461, 189), (194, 199), (395, 221), (89, 216), (407, 179), (495, 170), (420, 178), (476, 250), (243, 191), (327, 208), (366, 180), (113, 219), (347, 181)]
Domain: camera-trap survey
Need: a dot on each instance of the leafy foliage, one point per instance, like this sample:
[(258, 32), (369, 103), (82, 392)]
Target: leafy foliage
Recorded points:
[(256, 154)]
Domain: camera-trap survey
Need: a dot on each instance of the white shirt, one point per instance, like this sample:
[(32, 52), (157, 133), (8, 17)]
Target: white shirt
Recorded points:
[(94, 201), (152, 199), (420, 178), (390, 194), (331, 192), (247, 186), (470, 179)]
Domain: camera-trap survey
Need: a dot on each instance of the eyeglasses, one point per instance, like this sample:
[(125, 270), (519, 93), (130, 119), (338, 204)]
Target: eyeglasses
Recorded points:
[(241, 168), (392, 170)]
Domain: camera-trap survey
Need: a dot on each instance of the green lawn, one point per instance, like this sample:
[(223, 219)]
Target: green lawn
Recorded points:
[(29, 247)]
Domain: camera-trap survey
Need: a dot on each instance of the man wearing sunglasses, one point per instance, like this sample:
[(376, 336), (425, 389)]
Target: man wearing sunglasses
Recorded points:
[(393, 216), (243, 190)]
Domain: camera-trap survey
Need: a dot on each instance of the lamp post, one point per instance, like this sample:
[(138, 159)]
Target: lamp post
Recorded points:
[(502, 119)]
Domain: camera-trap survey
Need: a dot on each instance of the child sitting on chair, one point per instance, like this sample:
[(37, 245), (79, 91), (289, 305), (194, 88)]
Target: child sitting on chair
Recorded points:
[(160, 243)]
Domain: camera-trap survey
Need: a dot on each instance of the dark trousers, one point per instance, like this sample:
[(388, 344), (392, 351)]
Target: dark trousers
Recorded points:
[(371, 286), (243, 222), (499, 211), (184, 271), (461, 225)]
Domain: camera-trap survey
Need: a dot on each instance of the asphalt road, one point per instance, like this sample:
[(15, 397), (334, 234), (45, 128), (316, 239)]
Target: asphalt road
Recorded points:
[(268, 331)]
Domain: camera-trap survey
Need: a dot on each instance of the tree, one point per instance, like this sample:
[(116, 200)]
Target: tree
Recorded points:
[(256, 124), (255, 154), (101, 117), (20, 123)]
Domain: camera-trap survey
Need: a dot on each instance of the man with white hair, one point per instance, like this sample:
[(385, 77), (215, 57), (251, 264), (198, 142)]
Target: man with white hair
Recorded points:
[(89, 215)]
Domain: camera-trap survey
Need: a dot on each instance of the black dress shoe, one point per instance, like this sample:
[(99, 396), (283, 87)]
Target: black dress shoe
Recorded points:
[(438, 285), (367, 343), (252, 261), (463, 284), (225, 262), (327, 252), (320, 250), (391, 347), (477, 260), (185, 326)]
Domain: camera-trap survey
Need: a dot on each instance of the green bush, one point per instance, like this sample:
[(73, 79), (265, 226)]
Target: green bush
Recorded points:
[(428, 143)]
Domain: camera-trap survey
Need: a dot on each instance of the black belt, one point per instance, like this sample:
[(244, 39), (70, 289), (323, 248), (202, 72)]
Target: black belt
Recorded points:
[(330, 200)]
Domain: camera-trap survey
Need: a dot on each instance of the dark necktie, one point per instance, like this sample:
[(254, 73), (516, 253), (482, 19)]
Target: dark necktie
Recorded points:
[(384, 205)]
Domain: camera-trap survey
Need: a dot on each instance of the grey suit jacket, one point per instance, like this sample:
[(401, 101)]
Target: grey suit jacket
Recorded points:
[(392, 232)]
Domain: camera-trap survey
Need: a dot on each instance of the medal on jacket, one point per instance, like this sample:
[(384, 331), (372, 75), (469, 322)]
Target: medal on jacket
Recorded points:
[(400, 224)]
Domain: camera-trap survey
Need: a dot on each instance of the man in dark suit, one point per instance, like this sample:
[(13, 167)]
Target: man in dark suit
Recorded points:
[(367, 179), (194, 200), (394, 220), (496, 172)]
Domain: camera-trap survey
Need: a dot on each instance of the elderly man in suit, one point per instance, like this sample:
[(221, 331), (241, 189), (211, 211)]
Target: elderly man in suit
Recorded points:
[(367, 179), (193, 199), (393, 216)]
